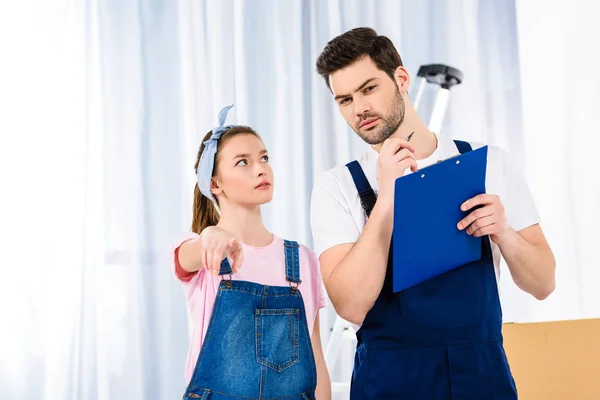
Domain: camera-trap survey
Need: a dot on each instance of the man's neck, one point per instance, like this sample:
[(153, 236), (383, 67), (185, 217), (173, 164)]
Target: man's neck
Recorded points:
[(424, 141), (245, 224)]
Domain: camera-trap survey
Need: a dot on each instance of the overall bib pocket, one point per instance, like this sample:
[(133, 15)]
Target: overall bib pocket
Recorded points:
[(277, 333)]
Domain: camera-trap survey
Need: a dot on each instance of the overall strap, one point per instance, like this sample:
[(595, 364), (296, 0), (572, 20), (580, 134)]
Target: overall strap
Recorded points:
[(366, 193), (226, 271), (292, 262), (225, 267), (463, 147)]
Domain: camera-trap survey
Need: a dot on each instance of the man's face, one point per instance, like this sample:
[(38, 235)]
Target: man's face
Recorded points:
[(369, 100)]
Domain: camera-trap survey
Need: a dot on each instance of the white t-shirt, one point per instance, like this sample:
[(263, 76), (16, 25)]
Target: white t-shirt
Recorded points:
[(337, 216)]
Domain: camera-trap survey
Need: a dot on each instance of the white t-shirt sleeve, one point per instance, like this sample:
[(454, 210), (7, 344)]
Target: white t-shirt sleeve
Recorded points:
[(331, 220), (506, 180)]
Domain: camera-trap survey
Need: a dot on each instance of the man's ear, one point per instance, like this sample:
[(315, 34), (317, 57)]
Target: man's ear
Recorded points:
[(402, 79)]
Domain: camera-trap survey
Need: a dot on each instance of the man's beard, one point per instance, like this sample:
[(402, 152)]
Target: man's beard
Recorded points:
[(387, 124)]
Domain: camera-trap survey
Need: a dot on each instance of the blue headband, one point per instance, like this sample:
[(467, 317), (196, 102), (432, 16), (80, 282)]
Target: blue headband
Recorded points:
[(207, 159)]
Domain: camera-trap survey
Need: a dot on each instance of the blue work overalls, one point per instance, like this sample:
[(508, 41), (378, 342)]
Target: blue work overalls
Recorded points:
[(440, 339), (257, 345)]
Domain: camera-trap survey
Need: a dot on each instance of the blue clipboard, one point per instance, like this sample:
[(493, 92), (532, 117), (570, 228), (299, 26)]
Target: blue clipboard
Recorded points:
[(426, 242)]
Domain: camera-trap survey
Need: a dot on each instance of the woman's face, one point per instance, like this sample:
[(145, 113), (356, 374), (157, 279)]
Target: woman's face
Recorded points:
[(243, 174)]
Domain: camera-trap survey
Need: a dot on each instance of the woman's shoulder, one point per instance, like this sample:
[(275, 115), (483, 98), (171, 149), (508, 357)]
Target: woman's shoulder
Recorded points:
[(309, 264), (306, 253)]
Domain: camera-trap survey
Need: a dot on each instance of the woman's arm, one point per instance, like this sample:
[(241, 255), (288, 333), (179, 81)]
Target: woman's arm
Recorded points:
[(323, 391)]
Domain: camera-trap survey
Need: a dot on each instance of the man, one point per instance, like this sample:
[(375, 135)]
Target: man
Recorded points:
[(440, 339)]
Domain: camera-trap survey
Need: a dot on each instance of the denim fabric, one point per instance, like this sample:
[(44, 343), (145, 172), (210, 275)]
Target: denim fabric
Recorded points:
[(257, 345)]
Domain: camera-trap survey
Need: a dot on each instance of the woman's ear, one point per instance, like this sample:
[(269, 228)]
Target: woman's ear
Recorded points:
[(215, 187)]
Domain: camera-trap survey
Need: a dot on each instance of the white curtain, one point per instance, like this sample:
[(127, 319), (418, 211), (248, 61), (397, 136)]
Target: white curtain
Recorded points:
[(559, 65), (91, 151), (48, 237), (104, 105)]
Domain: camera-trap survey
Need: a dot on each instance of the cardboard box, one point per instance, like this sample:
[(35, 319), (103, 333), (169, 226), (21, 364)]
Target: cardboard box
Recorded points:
[(555, 360)]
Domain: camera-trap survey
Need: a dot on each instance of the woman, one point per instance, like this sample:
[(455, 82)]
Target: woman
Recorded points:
[(253, 318)]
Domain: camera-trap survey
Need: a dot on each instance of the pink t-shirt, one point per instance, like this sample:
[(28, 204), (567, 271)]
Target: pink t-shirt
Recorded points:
[(264, 265)]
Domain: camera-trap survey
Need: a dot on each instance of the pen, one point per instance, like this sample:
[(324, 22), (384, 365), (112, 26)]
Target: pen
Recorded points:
[(408, 140)]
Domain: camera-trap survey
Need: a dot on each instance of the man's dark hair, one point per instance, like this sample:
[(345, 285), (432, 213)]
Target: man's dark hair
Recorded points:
[(353, 45)]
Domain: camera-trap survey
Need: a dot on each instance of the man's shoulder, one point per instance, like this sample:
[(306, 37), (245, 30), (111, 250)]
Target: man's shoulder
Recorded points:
[(474, 145), (335, 173), (329, 180), (336, 184), (337, 178), (495, 153), (501, 166)]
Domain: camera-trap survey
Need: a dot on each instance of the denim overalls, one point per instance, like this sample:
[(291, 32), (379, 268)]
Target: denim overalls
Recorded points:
[(257, 345), (441, 339)]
